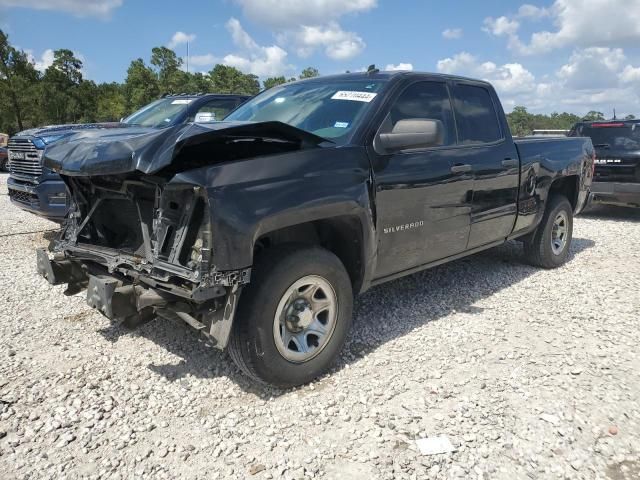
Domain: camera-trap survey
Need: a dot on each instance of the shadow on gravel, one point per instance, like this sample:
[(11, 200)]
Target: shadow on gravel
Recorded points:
[(609, 212), (384, 313)]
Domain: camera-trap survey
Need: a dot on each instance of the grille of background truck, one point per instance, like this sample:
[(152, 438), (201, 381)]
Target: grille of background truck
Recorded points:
[(24, 197), (28, 166), (617, 173)]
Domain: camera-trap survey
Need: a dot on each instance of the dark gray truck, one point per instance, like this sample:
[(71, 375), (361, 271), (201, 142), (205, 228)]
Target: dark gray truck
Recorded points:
[(616, 178), (37, 189), (259, 230)]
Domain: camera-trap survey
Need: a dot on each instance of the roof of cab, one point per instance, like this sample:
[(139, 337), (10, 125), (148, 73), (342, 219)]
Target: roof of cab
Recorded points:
[(388, 75), (614, 121)]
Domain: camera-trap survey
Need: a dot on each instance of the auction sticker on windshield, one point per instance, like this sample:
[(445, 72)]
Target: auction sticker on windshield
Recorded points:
[(354, 96), (181, 101)]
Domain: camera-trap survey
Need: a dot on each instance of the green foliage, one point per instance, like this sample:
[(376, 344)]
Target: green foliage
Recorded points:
[(309, 72), (64, 93), (522, 123), (170, 78), (273, 82), (593, 115), (226, 79), (140, 86), (18, 88)]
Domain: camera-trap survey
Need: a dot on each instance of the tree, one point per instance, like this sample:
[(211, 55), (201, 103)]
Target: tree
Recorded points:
[(520, 121), (197, 82), (226, 79), (309, 72), (630, 117), (593, 115), (273, 81), (170, 78), (140, 86), (61, 93), (65, 62), (111, 104), (18, 79)]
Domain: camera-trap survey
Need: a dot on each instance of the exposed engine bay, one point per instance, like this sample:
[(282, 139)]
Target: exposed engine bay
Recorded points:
[(141, 244), (142, 248)]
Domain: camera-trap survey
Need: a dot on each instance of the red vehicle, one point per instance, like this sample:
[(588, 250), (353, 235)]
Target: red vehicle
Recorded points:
[(3, 158)]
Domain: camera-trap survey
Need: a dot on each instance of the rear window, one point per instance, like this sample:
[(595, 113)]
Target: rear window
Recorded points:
[(618, 137), (476, 115)]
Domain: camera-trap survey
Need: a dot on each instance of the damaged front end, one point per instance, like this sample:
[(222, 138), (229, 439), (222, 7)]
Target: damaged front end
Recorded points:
[(137, 237), (143, 248)]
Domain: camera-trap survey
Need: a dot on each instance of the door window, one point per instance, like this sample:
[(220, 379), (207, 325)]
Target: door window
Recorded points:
[(476, 115), (423, 100), (214, 110)]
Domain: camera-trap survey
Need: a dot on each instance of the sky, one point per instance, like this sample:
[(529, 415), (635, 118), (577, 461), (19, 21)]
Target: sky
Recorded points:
[(562, 55)]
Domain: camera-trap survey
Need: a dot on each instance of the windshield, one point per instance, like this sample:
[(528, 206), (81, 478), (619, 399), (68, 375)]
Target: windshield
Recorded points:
[(161, 113), (620, 137), (328, 109)]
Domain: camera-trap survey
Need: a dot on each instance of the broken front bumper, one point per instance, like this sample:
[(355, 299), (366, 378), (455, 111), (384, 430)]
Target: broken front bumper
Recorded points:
[(120, 299)]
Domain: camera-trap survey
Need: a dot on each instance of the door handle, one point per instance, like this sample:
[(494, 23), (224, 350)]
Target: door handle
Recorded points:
[(461, 168), (510, 162)]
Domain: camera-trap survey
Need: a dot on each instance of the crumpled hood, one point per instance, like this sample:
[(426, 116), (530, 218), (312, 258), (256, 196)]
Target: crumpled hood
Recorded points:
[(61, 129), (122, 150)]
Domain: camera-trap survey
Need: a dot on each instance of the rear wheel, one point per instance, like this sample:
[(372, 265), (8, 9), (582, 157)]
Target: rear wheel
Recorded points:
[(549, 245), (294, 316)]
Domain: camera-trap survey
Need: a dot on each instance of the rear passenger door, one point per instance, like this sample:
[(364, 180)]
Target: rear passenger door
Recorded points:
[(487, 148)]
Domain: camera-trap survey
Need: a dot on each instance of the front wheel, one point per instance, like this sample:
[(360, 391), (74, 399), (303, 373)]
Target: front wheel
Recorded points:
[(549, 246), (294, 317)]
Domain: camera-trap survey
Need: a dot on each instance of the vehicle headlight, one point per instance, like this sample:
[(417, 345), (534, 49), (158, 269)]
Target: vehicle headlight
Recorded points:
[(49, 139)]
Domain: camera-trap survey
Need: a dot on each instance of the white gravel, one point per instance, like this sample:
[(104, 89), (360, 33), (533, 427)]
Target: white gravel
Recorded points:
[(529, 373)]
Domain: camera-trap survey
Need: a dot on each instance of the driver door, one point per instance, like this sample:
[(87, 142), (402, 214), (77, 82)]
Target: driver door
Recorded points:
[(423, 202)]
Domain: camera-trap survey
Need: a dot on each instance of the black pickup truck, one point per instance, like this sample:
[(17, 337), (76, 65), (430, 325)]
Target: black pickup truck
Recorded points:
[(258, 230), (37, 189), (616, 179)]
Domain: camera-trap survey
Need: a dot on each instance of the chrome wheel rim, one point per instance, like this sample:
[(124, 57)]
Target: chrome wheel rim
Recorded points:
[(305, 319), (559, 233)]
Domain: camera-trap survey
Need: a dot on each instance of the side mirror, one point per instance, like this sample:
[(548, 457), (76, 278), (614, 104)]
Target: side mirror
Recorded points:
[(204, 117), (413, 133)]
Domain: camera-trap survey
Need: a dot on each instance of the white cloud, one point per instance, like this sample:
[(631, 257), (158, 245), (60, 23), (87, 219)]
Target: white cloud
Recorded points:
[(337, 44), (202, 60), (45, 61), (452, 33), (399, 66), (79, 8), (630, 75), (592, 79), (588, 23), (593, 68), (500, 26), (310, 25), (510, 78), (533, 12), (284, 14), (180, 38), (253, 58), (240, 37)]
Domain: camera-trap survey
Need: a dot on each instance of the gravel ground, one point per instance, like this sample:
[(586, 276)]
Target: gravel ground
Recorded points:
[(530, 374)]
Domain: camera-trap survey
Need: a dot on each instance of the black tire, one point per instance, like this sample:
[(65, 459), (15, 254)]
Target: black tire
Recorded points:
[(538, 249), (252, 345)]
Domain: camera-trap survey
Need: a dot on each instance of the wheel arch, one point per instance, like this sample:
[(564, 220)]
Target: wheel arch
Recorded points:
[(569, 186), (343, 235)]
